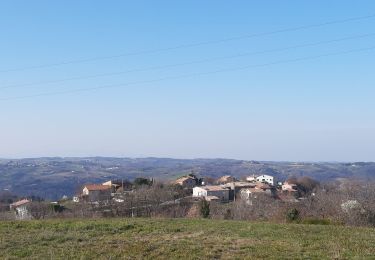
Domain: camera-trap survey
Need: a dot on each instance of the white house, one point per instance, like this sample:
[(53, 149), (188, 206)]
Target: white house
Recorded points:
[(265, 178), (212, 192), (21, 209)]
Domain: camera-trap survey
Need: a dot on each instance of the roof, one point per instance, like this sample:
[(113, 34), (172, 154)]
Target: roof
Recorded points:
[(263, 186), (19, 203), (289, 183), (225, 178), (264, 175), (184, 178), (97, 187), (213, 188), (210, 198), (254, 190), (240, 184)]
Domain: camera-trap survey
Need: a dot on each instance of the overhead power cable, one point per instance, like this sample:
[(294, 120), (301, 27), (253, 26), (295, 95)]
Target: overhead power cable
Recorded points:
[(238, 55), (190, 45), (191, 75)]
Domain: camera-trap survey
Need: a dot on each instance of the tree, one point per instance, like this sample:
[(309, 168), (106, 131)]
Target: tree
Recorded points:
[(142, 181), (40, 209), (292, 215), (204, 208), (307, 184)]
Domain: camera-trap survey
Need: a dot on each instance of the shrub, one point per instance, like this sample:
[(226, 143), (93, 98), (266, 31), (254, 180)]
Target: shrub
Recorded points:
[(204, 208), (292, 215)]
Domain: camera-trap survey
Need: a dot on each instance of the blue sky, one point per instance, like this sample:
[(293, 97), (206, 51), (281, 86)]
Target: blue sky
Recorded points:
[(313, 110)]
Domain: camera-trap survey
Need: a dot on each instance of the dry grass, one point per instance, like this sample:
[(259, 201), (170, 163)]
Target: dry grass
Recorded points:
[(181, 239)]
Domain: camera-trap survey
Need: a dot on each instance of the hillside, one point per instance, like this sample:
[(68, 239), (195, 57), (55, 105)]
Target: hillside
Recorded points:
[(180, 238), (54, 177)]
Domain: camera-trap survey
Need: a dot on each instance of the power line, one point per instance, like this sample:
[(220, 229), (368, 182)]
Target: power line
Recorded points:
[(190, 63), (190, 45), (191, 75)]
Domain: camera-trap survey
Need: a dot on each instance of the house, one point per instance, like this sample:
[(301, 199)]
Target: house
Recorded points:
[(289, 187), (265, 179), (225, 179), (21, 209), (211, 191), (252, 178), (252, 193), (236, 186), (119, 185), (96, 192), (186, 181)]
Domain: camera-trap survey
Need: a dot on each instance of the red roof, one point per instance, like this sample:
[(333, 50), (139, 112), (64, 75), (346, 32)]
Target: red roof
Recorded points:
[(19, 203), (97, 187)]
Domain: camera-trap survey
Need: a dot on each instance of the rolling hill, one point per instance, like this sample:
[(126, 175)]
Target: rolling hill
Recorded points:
[(54, 177)]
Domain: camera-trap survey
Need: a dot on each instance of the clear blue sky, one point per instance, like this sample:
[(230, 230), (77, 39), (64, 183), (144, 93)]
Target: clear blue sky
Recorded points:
[(317, 109)]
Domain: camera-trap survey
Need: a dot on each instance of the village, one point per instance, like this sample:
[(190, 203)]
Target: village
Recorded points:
[(225, 189)]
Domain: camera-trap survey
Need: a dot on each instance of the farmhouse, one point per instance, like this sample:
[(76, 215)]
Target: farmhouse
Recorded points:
[(252, 193), (186, 181), (289, 187), (21, 209), (212, 192), (225, 179), (118, 185), (236, 186), (96, 192), (265, 179), (251, 178)]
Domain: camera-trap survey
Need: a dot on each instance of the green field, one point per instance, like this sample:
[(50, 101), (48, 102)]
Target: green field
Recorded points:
[(181, 238)]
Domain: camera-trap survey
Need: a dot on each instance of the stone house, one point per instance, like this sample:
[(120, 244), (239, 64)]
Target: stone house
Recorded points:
[(21, 209), (212, 192)]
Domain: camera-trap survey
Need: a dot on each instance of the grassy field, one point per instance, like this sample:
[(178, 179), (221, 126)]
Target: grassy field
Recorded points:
[(181, 238)]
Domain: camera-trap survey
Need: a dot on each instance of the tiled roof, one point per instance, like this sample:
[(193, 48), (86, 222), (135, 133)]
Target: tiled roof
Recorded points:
[(209, 198), (97, 187), (239, 184), (261, 185), (184, 178), (19, 203), (225, 178), (213, 188)]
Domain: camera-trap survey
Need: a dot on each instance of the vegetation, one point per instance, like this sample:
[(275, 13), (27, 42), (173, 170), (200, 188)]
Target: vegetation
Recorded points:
[(180, 238), (204, 208), (292, 215), (51, 178), (142, 181)]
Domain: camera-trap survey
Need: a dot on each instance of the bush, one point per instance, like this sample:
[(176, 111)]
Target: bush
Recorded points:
[(142, 181), (204, 208), (292, 215)]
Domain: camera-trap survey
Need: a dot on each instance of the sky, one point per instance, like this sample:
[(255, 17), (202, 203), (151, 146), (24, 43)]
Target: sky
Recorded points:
[(255, 80)]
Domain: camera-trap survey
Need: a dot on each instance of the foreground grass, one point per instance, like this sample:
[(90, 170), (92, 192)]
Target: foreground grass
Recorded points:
[(180, 238)]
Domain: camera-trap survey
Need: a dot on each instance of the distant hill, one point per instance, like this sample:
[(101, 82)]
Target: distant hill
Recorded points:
[(54, 177)]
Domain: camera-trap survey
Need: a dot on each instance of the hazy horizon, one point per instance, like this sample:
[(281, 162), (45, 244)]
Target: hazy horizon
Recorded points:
[(265, 81), (177, 158)]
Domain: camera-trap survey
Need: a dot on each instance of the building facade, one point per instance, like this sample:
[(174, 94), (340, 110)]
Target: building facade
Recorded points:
[(221, 193), (265, 179)]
